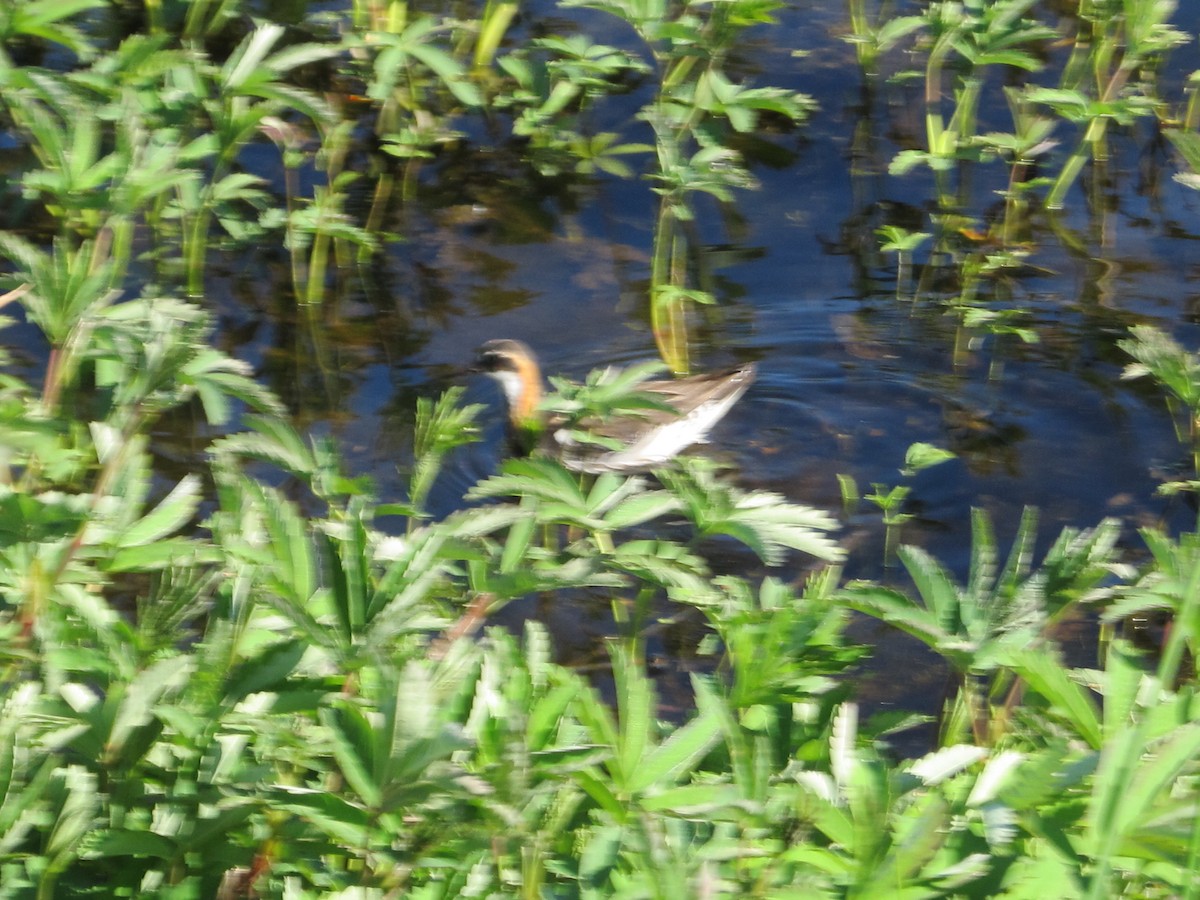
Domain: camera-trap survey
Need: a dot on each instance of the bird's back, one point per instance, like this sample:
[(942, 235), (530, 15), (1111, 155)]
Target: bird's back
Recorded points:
[(698, 403)]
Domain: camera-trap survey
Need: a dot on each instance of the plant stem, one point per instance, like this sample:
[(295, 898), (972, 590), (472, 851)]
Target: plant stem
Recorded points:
[(1089, 146), (668, 268)]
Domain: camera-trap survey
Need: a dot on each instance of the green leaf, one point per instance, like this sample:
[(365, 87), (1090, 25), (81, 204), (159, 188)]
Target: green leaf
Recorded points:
[(946, 762), (547, 715), (24, 518), (764, 521), (137, 704), (921, 456), (936, 587), (677, 756), (599, 855), (172, 513), (712, 802), (354, 748), (636, 723), (160, 555), (345, 822), (1155, 776), (36, 13), (266, 671), (1043, 673), (126, 842), (600, 789), (643, 506), (273, 441), (895, 608)]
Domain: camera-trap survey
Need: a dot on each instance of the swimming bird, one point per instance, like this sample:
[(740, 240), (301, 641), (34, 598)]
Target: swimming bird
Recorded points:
[(672, 416)]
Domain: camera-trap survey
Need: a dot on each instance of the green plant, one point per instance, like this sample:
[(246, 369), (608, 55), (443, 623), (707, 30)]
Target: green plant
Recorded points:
[(977, 34), (556, 82), (883, 829), (84, 524), (693, 115), (223, 677), (238, 98), (890, 500), (1118, 42), (1176, 369), (1168, 587), (874, 36), (978, 270), (902, 242), (973, 626), (595, 512), (410, 120), (45, 20), (1021, 149)]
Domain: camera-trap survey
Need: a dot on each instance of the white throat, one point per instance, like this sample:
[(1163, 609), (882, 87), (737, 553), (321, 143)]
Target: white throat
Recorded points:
[(511, 384)]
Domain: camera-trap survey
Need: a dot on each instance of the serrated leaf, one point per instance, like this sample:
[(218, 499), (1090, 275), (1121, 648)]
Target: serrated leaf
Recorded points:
[(677, 755), (172, 513)]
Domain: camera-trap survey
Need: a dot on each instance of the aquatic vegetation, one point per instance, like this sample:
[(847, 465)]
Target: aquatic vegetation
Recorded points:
[(1176, 371), (696, 108), (1115, 45), (890, 499), (975, 34), (999, 609)]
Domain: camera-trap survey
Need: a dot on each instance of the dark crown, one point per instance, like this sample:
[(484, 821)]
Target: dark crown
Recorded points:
[(502, 355)]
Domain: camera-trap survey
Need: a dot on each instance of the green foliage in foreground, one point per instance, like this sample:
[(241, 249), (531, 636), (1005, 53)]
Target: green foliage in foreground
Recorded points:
[(266, 696)]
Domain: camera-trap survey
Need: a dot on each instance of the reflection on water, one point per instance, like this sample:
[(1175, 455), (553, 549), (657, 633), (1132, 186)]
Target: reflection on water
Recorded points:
[(850, 373)]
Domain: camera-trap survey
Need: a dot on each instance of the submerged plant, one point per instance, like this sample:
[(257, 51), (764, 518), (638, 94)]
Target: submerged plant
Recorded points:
[(694, 115), (890, 499), (894, 239), (873, 36), (411, 68), (1115, 44), (557, 83), (247, 89), (976, 34)]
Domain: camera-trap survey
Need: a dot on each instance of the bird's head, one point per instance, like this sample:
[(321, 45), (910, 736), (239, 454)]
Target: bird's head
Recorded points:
[(515, 367)]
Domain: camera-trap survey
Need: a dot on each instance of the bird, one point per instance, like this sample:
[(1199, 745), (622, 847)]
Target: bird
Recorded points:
[(676, 414)]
